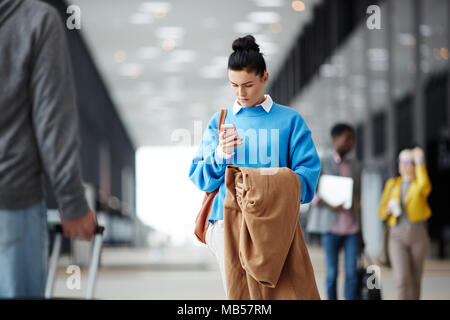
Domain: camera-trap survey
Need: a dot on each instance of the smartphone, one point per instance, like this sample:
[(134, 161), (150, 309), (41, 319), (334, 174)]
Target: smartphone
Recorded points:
[(228, 127)]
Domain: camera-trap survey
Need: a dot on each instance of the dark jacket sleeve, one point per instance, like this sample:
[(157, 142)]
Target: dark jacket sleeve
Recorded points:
[(55, 117)]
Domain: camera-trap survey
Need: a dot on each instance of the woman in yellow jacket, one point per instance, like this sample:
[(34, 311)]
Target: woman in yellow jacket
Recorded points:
[(404, 205)]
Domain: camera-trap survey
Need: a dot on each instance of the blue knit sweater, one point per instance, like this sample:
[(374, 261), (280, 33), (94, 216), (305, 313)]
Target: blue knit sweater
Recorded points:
[(278, 138)]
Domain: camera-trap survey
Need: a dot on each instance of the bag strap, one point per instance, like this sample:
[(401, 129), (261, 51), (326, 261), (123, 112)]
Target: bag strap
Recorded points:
[(223, 114)]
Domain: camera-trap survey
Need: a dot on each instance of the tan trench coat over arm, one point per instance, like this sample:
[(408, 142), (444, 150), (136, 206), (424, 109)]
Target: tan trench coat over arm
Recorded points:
[(265, 252)]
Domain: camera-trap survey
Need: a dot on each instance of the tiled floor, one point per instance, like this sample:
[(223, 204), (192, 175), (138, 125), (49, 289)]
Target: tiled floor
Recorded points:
[(191, 273)]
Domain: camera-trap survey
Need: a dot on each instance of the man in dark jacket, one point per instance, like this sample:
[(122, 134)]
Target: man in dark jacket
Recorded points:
[(38, 133)]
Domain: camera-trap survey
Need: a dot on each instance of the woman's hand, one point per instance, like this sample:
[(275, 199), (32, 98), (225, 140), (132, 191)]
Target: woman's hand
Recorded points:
[(335, 208), (229, 140), (419, 156), (338, 208), (388, 212)]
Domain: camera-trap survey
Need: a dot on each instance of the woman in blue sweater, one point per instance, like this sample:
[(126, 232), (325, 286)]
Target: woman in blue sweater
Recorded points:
[(266, 134)]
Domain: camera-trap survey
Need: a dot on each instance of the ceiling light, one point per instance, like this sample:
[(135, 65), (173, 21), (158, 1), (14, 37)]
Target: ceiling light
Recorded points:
[(276, 28), (378, 54), (170, 32), (260, 37), (160, 14), (245, 27), (158, 9), (406, 39), (269, 3), (155, 7), (378, 59), (425, 30), (264, 17), (120, 56), (130, 70), (168, 44), (140, 18), (298, 5), (379, 66), (183, 56), (268, 48), (327, 70), (148, 52)]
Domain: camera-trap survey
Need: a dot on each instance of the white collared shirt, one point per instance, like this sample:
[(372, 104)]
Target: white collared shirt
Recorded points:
[(267, 105)]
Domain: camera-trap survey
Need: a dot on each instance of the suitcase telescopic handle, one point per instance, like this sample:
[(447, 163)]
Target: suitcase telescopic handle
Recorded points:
[(93, 267)]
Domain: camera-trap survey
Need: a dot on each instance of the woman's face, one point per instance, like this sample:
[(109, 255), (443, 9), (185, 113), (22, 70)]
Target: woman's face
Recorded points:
[(248, 87), (406, 167)]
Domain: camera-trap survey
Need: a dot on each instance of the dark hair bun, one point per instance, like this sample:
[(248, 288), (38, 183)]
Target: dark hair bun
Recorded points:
[(246, 43), (246, 56)]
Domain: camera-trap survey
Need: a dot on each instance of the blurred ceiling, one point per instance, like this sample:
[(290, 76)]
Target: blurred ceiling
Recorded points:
[(165, 63)]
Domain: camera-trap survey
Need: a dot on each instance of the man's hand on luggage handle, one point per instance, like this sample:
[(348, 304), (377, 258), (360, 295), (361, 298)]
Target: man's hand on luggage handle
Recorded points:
[(82, 228)]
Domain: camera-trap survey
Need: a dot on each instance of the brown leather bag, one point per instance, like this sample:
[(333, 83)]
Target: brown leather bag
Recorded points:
[(201, 222)]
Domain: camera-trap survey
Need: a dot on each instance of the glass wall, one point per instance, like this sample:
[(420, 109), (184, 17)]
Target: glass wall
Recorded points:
[(434, 27), (392, 85), (378, 64), (404, 44)]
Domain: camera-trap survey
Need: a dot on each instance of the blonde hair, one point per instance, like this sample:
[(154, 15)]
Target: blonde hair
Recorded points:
[(406, 154)]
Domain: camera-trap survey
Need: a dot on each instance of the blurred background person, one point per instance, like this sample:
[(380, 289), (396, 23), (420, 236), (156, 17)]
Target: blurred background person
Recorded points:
[(404, 205), (339, 228), (38, 134)]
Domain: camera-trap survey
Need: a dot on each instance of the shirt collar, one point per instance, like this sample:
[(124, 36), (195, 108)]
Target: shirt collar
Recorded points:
[(267, 104)]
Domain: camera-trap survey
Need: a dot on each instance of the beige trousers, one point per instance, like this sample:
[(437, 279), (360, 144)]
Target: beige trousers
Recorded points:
[(408, 248)]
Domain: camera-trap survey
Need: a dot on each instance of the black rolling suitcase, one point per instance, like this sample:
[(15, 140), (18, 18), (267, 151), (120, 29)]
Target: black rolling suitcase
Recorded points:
[(364, 291), (93, 267)]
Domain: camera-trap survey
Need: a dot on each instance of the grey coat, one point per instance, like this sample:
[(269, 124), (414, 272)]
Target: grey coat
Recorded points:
[(38, 115), (320, 218)]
